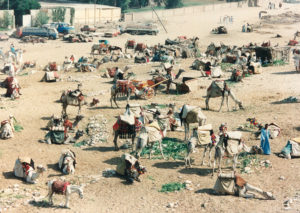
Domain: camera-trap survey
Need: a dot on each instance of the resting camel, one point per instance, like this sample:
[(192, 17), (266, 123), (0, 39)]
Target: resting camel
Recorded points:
[(67, 162), (7, 128), (214, 91), (64, 188), (190, 115), (24, 168), (68, 100)]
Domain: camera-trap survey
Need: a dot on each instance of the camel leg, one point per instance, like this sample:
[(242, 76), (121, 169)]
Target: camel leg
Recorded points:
[(51, 197), (210, 151), (111, 100), (234, 162), (79, 108), (207, 102), (132, 144), (222, 102), (161, 149), (115, 100), (64, 109), (204, 154), (67, 199), (150, 148), (116, 140), (227, 103)]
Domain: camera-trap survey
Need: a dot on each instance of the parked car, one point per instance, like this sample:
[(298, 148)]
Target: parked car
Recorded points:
[(38, 31), (111, 33), (65, 28), (87, 28), (3, 37)]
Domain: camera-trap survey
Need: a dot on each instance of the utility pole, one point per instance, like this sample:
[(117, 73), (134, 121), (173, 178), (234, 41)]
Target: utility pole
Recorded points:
[(7, 4), (159, 20), (94, 13)]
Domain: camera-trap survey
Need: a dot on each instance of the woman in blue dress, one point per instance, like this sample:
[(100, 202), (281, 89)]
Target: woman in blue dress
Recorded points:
[(265, 140)]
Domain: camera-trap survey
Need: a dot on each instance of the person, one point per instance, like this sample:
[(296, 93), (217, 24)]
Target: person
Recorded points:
[(234, 184), (130, 168), (207, 69), (213, 137), (12, 49), (223, 136), (77, 92), (169, 76), (265, 140), (67, 126)]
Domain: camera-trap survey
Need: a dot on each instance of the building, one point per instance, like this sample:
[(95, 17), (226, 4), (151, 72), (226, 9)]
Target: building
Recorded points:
[(91, 14)]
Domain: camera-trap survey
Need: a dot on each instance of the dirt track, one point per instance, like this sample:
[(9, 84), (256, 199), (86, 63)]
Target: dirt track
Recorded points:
[(258, 93)]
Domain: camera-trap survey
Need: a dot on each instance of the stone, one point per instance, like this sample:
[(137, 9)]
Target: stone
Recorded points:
[(170, 205), (188, 182), (281, 178), (204, 205)]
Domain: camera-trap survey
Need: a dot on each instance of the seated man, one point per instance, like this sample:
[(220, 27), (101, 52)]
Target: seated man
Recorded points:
[(76, 93), (130, 168), (233, 184)]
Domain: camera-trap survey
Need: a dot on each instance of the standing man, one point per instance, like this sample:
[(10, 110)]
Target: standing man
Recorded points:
[(265, 140)]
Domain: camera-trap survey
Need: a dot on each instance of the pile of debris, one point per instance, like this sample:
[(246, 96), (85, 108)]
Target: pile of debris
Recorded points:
[(34, 39), (97, 130), (284, 18), (80, 37)]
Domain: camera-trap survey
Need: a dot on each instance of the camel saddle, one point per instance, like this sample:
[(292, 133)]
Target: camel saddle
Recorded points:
[(131, 43), (124, 85), (60, 187)]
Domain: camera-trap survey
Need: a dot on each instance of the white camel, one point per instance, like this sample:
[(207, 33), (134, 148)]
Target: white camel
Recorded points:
[(24, 168), (215, 90), (190, 115), (234, 153), (67, 162), (7, 128), (64, 188), (149, 135), (191, 145)]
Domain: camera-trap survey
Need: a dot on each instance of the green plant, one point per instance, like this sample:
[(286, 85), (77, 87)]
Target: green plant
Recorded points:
[(173, 4), (6, 21), (58, 14), (41, 18), (72, 14), (172, 187)]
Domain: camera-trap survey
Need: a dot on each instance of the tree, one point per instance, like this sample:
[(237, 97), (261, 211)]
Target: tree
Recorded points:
[(21, 7), (173, 3), (41, 19)]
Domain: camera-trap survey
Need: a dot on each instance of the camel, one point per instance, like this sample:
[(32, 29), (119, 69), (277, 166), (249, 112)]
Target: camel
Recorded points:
[(191, 145), (149, 135), (67, 162), (214, 90), (24, 168), (67, 100), (128, 90), (190, 115), (7, 128), (126, 127), (220, 153), (64, 188), (100, 48)]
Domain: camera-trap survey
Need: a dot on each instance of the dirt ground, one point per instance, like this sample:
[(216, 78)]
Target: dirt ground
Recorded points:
[(258, 94)]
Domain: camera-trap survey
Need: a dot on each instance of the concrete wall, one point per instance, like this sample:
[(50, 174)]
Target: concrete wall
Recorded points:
[(91, 16), (11, 12), (150, 15), (96, 16)]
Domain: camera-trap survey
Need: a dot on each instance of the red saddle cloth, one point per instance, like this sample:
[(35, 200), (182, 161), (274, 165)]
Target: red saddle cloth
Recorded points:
[(131, 43), (60, 187), (124, 85)]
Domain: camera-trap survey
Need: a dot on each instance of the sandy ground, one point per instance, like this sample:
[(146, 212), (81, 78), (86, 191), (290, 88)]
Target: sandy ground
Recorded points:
[(258, 93)]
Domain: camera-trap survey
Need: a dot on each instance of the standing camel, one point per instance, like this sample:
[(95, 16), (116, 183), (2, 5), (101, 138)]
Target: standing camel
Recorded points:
[(234, 153), (190, 115), (66, 100), (64, 188), (214, 91), (124, 90), (149, 135)]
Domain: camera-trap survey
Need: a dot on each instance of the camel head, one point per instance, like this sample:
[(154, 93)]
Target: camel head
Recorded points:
[(240, 105), (40, 169), (79, 134)]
